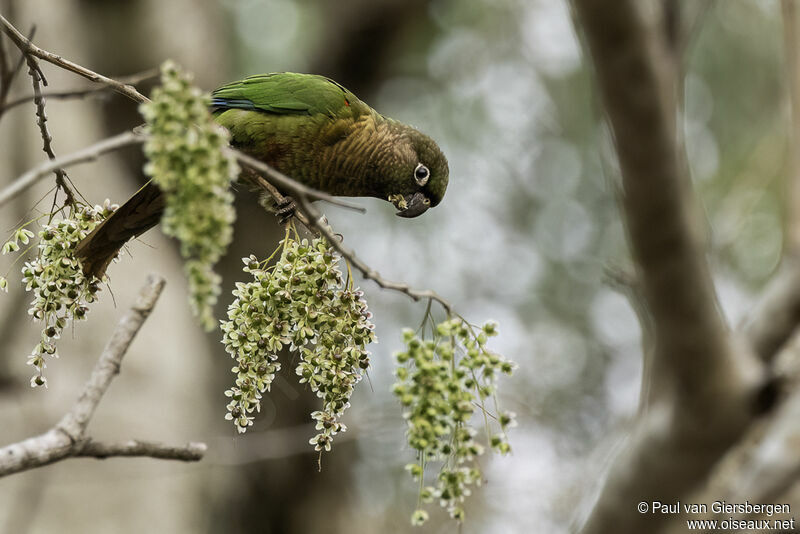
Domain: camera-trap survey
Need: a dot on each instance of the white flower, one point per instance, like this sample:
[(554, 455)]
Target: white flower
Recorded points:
[(419, 517), (38, 381)]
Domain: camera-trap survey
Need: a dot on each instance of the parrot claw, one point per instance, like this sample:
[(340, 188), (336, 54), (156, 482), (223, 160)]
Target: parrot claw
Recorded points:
[(286, 210)]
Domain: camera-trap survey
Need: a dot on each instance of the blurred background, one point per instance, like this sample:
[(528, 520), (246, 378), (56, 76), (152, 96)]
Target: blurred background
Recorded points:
[(528, 234)]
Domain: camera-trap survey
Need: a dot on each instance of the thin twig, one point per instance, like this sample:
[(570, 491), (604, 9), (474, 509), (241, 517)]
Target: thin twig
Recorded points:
[(261, 183), (301, 192), (294, 187), (775, 317), (99, 92), (7, 73), (27, 46), (313, 219), (89, 153), (191, 452), (67, 439), (94, 91), (37, 80)]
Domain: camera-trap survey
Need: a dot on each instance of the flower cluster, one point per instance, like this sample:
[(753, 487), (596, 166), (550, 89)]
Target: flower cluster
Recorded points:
[(301, 302), (61, 291), (441, 383), (186, 160)]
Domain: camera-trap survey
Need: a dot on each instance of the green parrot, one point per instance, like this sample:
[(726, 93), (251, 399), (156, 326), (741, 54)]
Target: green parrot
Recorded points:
[(313, 130)]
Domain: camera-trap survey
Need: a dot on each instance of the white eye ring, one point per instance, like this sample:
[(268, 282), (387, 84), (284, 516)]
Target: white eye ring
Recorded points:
[(421, 174)]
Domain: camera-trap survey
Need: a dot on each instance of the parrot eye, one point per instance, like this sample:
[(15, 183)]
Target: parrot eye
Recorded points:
[(421, 174)]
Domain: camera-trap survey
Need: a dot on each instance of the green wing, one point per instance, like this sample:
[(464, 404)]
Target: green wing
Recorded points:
[(287, 93)]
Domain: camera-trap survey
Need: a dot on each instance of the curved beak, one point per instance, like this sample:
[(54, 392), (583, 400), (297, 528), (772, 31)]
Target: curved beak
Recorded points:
[(416, 205)]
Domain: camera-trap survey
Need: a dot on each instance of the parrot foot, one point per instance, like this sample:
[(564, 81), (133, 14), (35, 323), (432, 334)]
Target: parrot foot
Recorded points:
[(285, 210)]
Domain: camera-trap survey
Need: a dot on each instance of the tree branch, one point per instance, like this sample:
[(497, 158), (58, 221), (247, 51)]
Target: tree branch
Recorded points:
[(67, 438), (312, 219), (301, 192), (191, 452), (769, 460), (100, 91), (89, 153), (764, 466), (75, 421), (295, 188), (37, 79), (635, 77), (777, 313), (309, 216), (702, 383), (27, 47), (259, 182), (366, 271)]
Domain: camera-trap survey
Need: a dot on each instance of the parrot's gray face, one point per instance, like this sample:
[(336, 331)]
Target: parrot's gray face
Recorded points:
[(424, 178)]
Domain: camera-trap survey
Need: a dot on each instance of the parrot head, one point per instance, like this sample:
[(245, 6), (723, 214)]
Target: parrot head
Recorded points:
[(419, 179)]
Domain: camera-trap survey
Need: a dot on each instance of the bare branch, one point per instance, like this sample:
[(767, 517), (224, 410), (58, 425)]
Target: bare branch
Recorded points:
[(95, 91), (191, 452), (702, 383), (298, 190), (313, 220), (28, 47), (41, 116), (310, 216), (635, 76), (260, 182), (764, 465), (75, 421), (89, 153), (769, 460), (99, 92), (777, 313), (67, 438), (294, 187), (366, 271)]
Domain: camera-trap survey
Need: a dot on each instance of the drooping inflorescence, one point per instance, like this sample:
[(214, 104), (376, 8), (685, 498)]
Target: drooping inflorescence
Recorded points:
[(186, 161), (302, 303), (441, 384), (61, 291)]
